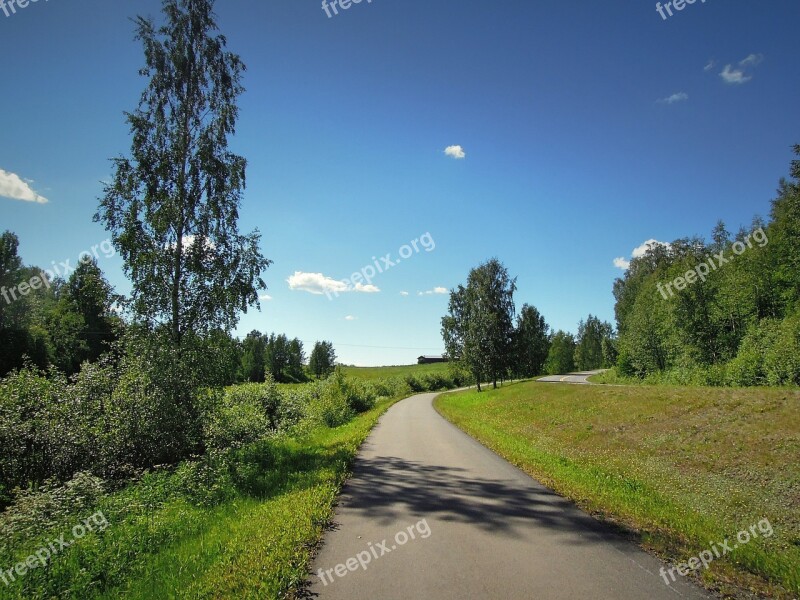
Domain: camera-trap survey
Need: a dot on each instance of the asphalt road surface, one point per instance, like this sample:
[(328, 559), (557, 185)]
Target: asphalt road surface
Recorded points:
[(430, 513), (582, 377)]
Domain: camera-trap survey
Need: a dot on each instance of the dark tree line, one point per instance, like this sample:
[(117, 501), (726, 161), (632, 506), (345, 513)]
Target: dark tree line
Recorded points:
[(51, 321), (720, 312), (283, 360)]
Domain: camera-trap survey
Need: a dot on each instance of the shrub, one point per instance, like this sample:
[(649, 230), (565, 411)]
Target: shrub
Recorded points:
[(263, 395), (390, 387), (35, 511), (330, 407), (33, 421), (747, 368), (239, 419), (414, 384), (782, 359)]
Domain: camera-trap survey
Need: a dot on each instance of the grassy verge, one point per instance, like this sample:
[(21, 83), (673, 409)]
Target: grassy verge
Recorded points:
[(683, 467), (257, 543)]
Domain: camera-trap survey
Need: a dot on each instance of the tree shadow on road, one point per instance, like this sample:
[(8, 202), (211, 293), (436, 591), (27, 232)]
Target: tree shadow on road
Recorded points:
[(388, 488)]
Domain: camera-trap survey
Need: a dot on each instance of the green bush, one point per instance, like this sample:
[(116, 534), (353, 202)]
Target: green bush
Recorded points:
[(415, 384), (35, 511), (782, 359), (36, 430), (330, 407), (390, 387), (239, 419)]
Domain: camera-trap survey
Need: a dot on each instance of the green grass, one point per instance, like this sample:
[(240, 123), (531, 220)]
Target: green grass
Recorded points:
[(682, 467), (257, 544), (370, 373)]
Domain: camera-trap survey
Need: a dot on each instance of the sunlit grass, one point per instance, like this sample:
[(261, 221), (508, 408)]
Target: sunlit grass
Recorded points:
[(397, 371), (682, 466)]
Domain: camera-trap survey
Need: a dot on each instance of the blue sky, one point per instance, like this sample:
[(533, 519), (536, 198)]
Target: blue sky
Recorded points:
[(587, 128)]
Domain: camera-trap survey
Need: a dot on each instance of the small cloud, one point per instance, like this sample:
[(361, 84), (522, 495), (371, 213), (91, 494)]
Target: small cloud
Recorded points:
[(365, 289), (265, 298), (677, 97), (738, 76), (710, 65), (350, 318), (622, 263), (404, 293), (734, 76), (752, 61), (456, 152), (13, 187), (434, 291)]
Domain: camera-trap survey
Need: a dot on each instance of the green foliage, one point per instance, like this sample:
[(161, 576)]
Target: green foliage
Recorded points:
[(732, 326), (479, 327), (253, 357), (176, 228), (415, 384), (56, 323), (592, 334), (323, 360), (284, 359), (561, 356), (239, 418), (531, 341)]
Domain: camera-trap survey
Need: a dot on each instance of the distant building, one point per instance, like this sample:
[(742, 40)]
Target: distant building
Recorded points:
[(428, 360)]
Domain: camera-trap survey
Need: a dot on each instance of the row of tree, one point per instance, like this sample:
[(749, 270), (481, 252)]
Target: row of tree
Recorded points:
[(64, 323), (738, 324), (483, 332), (284, 359), (53, 321)]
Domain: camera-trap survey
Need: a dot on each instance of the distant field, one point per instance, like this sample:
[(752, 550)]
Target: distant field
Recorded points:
[(682, 467), (397, 371)]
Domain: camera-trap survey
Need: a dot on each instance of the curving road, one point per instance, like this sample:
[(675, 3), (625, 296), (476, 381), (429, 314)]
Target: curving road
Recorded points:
[(430, 513), (582, 377)]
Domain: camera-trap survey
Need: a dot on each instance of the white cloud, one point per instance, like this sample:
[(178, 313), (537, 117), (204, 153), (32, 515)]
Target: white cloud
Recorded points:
[(623, 263), (404, 293), (11, 186), (265, 298), (738, 76), (315, 283), (319, 284), (350, 318), (734, 76), (677, 97), (752, 61), (710, 65), (434, 291), (456, 152), (365, 289)]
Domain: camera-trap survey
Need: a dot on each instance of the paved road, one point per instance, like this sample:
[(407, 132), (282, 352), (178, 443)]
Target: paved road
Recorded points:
[(481, 527), (581, 377)]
